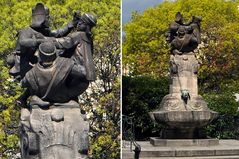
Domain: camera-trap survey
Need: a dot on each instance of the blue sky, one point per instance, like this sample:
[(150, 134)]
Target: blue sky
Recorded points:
[(128, 6)]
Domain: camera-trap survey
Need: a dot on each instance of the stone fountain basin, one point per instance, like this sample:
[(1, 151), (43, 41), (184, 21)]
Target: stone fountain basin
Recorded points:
[(184, 119)]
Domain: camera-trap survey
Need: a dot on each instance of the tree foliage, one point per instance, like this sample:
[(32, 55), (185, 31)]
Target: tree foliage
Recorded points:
[(140, 96), (146, 52), (101, 100)]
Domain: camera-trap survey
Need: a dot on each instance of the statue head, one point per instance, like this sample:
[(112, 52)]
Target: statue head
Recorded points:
[(47, 53), (179, 18), (40, 16), (181, 31), (185, 96), (89, 19), (196, 19), (87, 22)]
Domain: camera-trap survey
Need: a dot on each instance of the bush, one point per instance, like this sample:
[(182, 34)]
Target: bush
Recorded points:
[(140, 96), (225, 126)]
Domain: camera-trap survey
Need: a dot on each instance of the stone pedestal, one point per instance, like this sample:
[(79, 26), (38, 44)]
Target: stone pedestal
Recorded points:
[(155, 141), (186, 149), (57, 132), (183, 111)]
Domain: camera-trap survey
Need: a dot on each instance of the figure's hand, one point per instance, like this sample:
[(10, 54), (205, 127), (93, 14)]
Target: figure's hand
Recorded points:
[(39, 41), (39, 36), (189, 29), (177, 52), (21, 103), (77, 16), (75, 20), (48, 39)]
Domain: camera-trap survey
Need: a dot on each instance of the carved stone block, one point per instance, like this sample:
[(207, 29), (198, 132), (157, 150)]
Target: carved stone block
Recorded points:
[(60, 132)]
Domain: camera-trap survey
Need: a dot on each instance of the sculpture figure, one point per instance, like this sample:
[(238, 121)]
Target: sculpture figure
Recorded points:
[(184, 37), (173, 27), (54, 68), (79, 47), (29, 39), (53, 78), (183, 110), (82, 53)]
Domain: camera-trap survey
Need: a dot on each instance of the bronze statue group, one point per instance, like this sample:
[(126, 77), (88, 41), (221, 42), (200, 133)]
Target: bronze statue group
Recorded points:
[(54, 67)]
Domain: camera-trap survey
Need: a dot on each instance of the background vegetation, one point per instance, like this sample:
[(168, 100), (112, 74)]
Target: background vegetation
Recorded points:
[(101, 101), (146, 54)]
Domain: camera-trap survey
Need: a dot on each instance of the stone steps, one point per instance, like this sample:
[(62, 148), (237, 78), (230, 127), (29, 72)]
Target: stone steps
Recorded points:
[(209, 157), (131, 156), (227, 149), (197, 155)]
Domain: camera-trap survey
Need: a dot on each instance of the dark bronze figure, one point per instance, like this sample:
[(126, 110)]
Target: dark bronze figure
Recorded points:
[(55, 79), (29, 39), (174, 26), (184, 37), (54, 67)]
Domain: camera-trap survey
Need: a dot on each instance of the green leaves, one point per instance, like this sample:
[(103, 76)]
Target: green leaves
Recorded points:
[(145, 49), (9, 114), (140, 96)]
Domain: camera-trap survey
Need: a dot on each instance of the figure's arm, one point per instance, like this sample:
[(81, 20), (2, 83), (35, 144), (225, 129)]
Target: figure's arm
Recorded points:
[(25, 83), (173, 27), (172, 31), (25, 39), (68, 42), (177, 52), (64, 43), (189, 29), (22, 100), (62, 31), (78, 71), (66, 29)]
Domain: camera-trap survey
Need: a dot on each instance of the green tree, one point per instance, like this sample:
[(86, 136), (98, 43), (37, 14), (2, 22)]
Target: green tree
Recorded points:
[(102, 100), (146, 50)]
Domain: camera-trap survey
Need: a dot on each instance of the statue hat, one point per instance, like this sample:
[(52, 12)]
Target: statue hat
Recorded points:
[(47, 51), (181, 30), (89, 19), (179, 17), (197, 19)]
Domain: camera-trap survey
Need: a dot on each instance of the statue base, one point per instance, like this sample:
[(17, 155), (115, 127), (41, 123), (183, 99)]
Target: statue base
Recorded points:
[(155, 141), (183, 124), (57, 132), (183, 111)]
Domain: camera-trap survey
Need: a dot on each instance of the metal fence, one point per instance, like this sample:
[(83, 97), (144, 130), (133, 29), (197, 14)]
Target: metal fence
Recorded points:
[(128, 134)]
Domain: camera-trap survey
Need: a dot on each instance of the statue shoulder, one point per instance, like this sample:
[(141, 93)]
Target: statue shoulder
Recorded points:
[(174, 26), (28, 29), (30, 75), (76, 35), (64, 61), (79, 34), (25, 31)]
